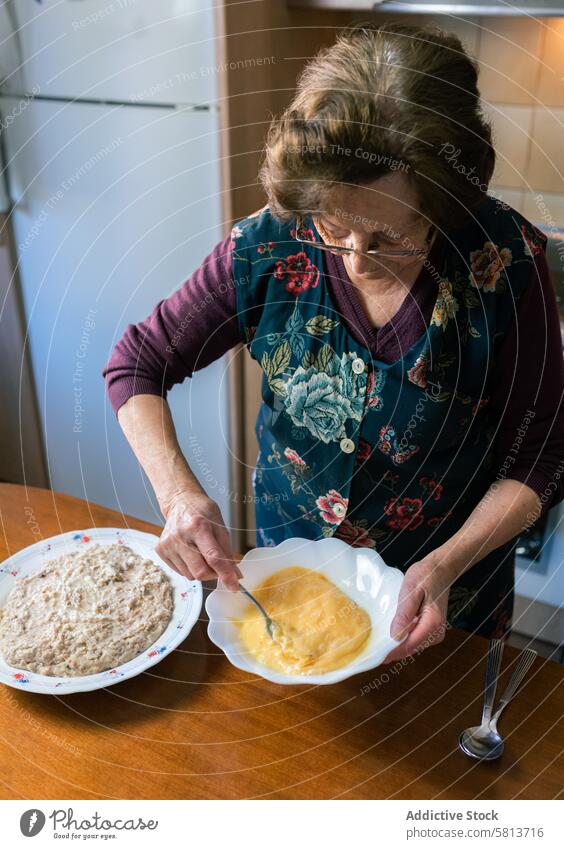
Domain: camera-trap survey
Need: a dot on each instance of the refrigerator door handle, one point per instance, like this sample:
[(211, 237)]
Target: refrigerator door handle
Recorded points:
[(5, 200)]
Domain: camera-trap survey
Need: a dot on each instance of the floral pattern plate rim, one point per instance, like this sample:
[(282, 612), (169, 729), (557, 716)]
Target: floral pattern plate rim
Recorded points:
[(359, 572), (187, 604)]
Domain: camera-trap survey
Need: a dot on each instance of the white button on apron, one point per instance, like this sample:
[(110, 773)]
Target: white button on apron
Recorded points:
[(347, 445), (339, 510), (358, 366)]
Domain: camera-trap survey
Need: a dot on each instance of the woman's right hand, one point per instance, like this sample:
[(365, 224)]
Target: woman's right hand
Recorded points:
[(195, 542)]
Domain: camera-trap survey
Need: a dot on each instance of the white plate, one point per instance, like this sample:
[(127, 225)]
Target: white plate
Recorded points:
[(359, 572), (187, 604)]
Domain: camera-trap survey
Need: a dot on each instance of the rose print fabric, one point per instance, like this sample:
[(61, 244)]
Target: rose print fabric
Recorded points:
[(392, 456)]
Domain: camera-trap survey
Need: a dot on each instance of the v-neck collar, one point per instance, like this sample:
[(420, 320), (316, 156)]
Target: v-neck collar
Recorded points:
[(391, 341)]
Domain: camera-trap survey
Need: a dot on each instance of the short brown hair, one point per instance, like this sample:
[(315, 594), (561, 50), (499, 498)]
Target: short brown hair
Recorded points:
[(394, 96)]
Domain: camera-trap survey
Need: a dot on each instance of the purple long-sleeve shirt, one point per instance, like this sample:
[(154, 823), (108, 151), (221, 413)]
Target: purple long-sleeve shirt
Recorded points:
[(198, 323)]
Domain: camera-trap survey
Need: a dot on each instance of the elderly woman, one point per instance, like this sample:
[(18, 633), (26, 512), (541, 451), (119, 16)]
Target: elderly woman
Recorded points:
[(407, 331)]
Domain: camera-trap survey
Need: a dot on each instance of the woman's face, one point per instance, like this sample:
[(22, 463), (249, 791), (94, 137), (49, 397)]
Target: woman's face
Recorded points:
[(381, 215)]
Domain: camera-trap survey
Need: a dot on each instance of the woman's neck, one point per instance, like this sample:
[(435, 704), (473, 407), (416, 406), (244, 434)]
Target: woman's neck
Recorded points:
[(382, 297)]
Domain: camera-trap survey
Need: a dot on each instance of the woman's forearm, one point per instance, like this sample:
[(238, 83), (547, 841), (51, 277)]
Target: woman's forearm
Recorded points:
[(502, 514), (507, 508), (194, 541), (146, 421)]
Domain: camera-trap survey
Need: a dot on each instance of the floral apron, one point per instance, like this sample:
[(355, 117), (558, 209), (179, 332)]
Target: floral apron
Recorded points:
[(390, 456)]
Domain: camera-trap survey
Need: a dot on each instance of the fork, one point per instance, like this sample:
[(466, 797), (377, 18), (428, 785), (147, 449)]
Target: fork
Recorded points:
[(484, 741), (269, 623)]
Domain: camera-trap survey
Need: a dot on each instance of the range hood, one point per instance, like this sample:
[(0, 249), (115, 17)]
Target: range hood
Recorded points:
[(531, 8)]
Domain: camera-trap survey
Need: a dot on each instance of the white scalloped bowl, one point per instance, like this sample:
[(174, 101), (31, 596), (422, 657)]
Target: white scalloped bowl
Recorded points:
[(359, 572)]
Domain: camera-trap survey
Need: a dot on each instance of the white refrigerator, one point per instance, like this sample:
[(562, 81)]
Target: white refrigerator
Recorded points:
[(110, 149)]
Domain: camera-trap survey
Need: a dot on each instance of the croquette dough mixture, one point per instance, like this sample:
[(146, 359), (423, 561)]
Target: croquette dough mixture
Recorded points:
[(85, 612), (319, 628)]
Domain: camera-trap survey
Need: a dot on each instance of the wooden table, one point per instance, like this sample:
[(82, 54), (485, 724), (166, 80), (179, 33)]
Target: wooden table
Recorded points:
[(195, 727)]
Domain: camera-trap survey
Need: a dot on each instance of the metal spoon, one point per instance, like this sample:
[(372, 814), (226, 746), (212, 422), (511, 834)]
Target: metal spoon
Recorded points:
[(484, 741), (495, 651), (269, 624)]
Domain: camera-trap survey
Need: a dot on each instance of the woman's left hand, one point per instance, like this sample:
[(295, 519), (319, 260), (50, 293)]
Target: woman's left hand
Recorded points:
[(422, 605), (506, 508)]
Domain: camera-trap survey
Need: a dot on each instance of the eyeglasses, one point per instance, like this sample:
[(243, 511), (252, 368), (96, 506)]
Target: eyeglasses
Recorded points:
[(370, 253)]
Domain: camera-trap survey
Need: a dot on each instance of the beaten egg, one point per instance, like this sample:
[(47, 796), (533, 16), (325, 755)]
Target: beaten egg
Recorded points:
[(319, 628)]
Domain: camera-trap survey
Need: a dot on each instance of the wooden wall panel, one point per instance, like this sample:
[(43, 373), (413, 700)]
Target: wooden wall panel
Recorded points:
[(21, 449)]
